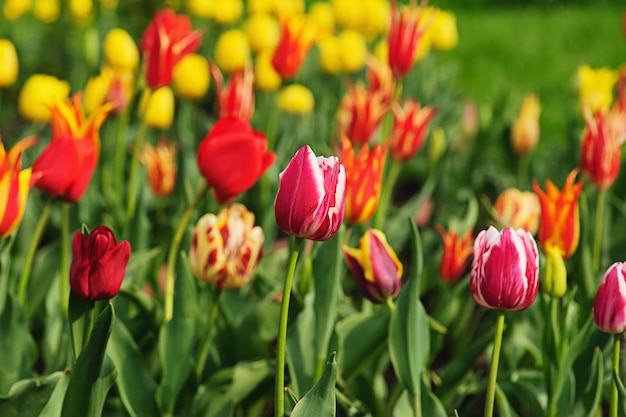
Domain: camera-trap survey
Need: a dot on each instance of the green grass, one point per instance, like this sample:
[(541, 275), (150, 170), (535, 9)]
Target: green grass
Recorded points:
[(507, 52)]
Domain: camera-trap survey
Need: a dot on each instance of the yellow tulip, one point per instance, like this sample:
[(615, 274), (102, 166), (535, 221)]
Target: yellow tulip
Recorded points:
[(232, 51), (330, 54), (286, 8), (596, 87), (9, 64), (349, 14), (376, 17), (157, 108), (261, 6), (38, 94), (120, 50), (201, 8), (353, 50), (81, 10), (323, 17), (525, 129), (96, 91), (381, 50), (227, 11), (444, 33), (296, 99), (191, 77), (265, 76), (263, 31), (14, 9), (46, 10)]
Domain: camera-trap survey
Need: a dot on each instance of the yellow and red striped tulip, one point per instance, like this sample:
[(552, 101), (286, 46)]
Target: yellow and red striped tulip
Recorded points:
[(297, 37), (160, 166), (518, 209), (404, 34), (235, 98), (456, 252), (410, 127), (360, 112)]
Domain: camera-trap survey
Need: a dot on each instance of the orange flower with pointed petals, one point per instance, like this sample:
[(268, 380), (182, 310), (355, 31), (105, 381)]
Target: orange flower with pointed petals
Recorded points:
[(364, 175), (297, 37), (405, 32), (64, 169), (456, 252), (161, 167), (235, 98), (15, 183), (560, 224), (410, 126), (360, 112)]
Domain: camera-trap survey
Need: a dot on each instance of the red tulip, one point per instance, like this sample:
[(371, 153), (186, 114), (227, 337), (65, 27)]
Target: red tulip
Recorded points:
[(505, 270), (609, 305), (410, 126), (360, 112), (236, 97), (98, 264), (404, 34), (456, 252), (232, 157), (297, 37), (311, 197), (166, 40)]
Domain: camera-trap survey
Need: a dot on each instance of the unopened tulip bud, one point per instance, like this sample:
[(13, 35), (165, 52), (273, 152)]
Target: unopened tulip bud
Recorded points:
[(232, 51), (609, 305), (555, 280), (191, 77), (120, 50), (38, 94), (525, 130), (157, 108), (9, 66), (296, 99)]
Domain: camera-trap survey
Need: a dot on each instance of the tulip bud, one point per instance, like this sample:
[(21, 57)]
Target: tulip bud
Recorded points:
[(609, 305), (232, 51), (353, 50), (227, 11), (323, 17), (120, 50), (9, 66), (98, 264), (518, 209), (14, 9), (555, 280), (157, 107), (596, 87), (505, 269), (46, 11), (81, 10), (375, 266), (444, 32), (376, 17), (296, 99), (263, 31), (191, 77), (525, 129), (330, 54), (38, 94), (404, 35), (265, 76), (160, 166), (311, 197), (225, 249)]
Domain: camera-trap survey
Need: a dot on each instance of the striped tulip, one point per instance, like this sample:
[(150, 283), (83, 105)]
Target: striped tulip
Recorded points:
[(160, 166), (236, 97), (456, 252), (405, 32), (296, 39), (518, 209), (609, 304), (360, 112), (410, 127)]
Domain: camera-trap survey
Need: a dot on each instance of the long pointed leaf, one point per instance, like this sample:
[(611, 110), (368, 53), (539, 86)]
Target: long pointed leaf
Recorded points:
[(320, 400)]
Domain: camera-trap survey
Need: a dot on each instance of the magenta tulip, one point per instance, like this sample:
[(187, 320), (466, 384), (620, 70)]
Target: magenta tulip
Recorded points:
[(311, 197), (609, 306), (505, 269)]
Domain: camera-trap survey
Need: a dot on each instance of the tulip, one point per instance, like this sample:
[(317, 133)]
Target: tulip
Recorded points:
[(404, 34), (98, 264), (444, 33), (375, 266), (296, 38), (265, 76), (410, 127), (191, 77), (200, 8), (601, 147), (263, 31), (364, 176), (505, 269), (15, 183), (322, 16), (47, 11), (518, 209), (156, 107), (227, 11), (38, 94), (9, 65), (120, 50), (609, 304), (261, 6), (360, 112), (456, 252), (559, 223), (80, 10), (236, 97), (330, 54), (348, 13), (295, 99), (114, 86), (225, 249), (596, 87), (311, 196), (232, 157), (525, 129), (65, 167), (376, 17), (166, 40), (160, 166), (232, 51), (14, 9), (555, 277), (353, 50), (380, 78)]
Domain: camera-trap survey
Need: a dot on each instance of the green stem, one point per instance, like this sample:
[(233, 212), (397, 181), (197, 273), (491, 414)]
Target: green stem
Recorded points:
[(390, 305), (65, 258), (598, 228), (417, 405), (30, 255), (173, 254), (279, 400), (132, 176), (208, 334), (495, 359), (119, 166), (385, 198), (614, 391)]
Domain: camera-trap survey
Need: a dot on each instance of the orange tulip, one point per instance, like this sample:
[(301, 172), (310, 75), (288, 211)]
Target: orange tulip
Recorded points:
[(161, 167), (456, 252)]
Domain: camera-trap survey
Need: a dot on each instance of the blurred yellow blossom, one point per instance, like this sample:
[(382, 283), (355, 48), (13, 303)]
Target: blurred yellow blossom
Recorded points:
[(14, 9), (109, 4), (348, 13), (9, 64), (157, 107), (46, 10), (191, 77), (443, 30), (232, 50), (39, 92), (285, 8), (96, 91), (525, 129), (323, 17), (596, 87), (200, 8), (330, 54), (377, 15), (263, 31), (266, 77), (381, 50), (261, 6), (423, 47), (81, 10), (113, 86), (120, 50), (353, 50), (227, 11), (296, 99)]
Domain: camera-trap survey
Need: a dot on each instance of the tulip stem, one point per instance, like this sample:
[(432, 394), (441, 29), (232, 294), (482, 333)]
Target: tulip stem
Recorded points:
[(390, 305), (30, 256), (385, 198), (598, 228), (120, 146), (279, 403), (65, 258), (208, 334), (173, 253), (614, 392), (495, 359), (132, 176)]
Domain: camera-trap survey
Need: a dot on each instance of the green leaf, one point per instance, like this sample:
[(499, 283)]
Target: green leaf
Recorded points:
[(29, 396), (592, 396), (300, 348), (134, 383), (502, 403), (87, 369), (409, 333), (77, 314), (320, 400), (16, 345), (431, 405), (177, 340), (101, 387), (56, 347), (55, 402)]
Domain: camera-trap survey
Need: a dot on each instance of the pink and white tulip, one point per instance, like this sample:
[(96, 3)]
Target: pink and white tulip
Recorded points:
[(609, 306)]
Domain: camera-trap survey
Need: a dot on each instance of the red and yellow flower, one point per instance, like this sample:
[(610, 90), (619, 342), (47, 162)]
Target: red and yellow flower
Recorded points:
[(410, 126), (161, 167), (456, 252), (235, 98), (403, 37), (296, 39), (360, 112)]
